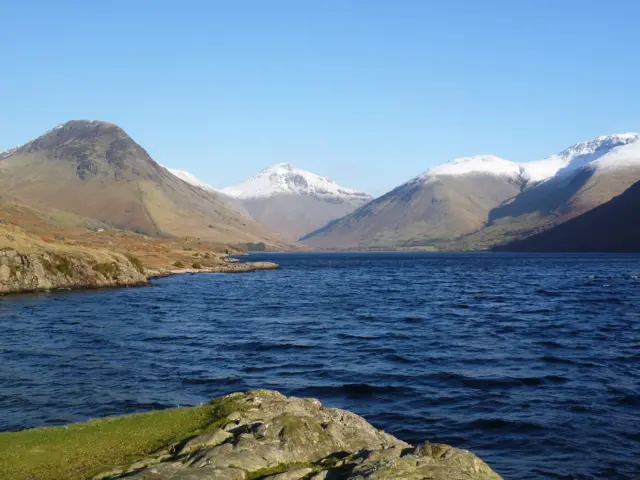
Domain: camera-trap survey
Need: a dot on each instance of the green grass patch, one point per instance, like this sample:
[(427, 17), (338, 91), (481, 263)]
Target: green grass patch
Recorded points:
[(83, 450)]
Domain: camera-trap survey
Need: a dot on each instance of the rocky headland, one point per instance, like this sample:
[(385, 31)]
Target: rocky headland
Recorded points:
[(244, 436), (32, 263)]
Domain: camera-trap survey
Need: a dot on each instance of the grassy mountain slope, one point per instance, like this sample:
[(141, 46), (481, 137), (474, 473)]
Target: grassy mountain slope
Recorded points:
[(419, 213), (94, 170), (471, 212)]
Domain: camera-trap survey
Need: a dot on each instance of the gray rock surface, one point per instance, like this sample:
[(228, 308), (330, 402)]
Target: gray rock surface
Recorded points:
[(270, 436)]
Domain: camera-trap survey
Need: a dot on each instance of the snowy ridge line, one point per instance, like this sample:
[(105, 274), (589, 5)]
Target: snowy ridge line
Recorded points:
[(608, 151)]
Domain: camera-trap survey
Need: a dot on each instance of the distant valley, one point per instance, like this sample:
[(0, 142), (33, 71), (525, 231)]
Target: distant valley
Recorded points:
[(288, 200), (478, 202)]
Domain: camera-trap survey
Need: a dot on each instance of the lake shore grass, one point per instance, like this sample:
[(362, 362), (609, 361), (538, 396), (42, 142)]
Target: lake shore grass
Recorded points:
[(84, 450)]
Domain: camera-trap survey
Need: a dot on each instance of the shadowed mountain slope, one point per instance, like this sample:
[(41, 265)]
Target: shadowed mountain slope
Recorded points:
[(611, 227)]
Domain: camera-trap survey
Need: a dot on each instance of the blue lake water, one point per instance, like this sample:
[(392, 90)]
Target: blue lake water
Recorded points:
[(530, 361)]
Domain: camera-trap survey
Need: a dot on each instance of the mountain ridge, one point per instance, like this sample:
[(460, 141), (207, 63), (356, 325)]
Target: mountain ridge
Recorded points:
[(525, 195), (578, 154)]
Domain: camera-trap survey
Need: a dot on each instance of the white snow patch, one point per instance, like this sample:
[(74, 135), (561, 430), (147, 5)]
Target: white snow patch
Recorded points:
[(622, 156), (476, 164), (540, 170), (283, 178), (191, 179), (575, 157)]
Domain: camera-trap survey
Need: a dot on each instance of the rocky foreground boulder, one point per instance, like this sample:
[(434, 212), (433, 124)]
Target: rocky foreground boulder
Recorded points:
[(265, 435)]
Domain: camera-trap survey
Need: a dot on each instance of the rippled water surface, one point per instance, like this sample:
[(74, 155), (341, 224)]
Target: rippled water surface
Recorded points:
[(530, 361)]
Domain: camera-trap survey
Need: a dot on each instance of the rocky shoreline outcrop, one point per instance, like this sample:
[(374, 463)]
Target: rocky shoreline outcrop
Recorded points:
[(265, 435), (33, 272)]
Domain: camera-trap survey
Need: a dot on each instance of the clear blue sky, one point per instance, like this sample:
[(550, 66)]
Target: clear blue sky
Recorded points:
[(367, 92)]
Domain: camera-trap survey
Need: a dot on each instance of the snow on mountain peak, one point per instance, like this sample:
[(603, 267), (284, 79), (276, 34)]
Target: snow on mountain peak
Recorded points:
[(575, 157), (283, 178), (279, 167), (605, 142), (489, 164)]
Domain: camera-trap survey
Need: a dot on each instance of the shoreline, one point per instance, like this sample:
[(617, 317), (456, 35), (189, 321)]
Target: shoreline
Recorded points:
[(79, 288), (150, 274), (230, 267)]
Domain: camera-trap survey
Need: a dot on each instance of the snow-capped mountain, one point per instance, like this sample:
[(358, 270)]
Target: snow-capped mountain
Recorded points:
[(584, 176), (294, 202), (267, 198), (480, 193), (283, 178)]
